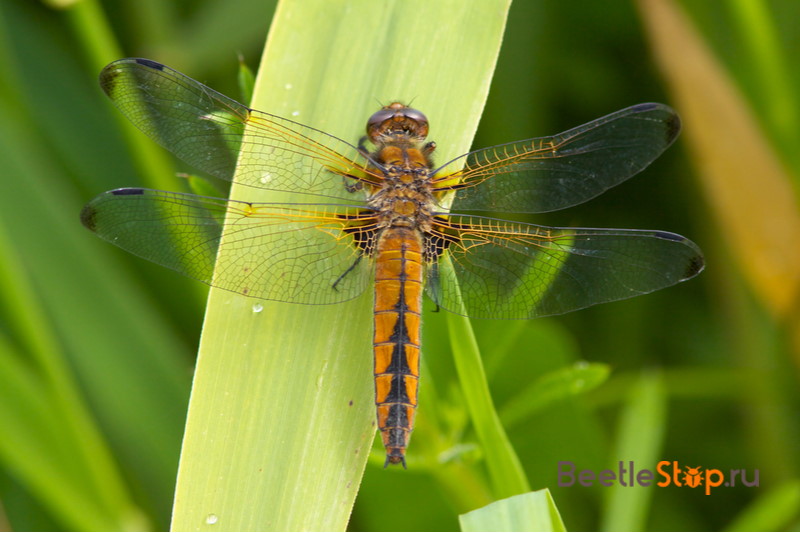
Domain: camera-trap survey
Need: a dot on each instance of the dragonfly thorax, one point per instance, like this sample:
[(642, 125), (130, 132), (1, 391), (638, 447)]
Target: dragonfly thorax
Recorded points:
[(405, 199)]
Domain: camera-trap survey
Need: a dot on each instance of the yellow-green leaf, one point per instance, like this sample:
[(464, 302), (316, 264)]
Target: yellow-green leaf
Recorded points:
[(282, 414)]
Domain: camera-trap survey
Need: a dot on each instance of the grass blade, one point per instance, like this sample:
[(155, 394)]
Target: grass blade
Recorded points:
[(505, 469), (533, 511), (778, 509), (639, 440)]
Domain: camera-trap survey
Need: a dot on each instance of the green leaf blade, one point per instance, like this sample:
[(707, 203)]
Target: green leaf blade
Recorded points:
[(282, 412), (532, 511)]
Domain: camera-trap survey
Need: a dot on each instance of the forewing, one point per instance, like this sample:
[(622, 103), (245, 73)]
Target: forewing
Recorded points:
[(207, 130), (284, 252), (499, 269), (550, 173)]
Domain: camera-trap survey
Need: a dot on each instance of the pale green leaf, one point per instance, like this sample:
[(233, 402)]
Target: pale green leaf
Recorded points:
[(282, 414), (532, 511)]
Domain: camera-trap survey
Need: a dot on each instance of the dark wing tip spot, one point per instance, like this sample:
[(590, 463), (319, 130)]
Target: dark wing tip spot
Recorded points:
[(112, 71), (673, 127), (108, 79), (696, 263), (128, 191), (695, 266), (672, 122), (149, 63), (89, 217)]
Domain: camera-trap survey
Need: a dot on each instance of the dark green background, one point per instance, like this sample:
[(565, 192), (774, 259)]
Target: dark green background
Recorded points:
[(127, 331)]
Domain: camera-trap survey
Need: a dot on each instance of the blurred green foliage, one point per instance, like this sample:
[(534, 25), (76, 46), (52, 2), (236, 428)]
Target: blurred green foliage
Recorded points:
[(96, 347)]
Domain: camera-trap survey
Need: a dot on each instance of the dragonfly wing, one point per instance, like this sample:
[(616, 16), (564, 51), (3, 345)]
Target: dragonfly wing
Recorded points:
[(284, 252), (501, 269), (209, 131), (550, 173)]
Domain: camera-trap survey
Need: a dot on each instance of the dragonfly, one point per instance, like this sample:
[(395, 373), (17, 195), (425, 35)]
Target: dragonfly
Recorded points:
[(380, 215)]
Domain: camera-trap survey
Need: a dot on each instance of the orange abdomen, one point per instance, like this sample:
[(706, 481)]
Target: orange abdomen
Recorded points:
[(398, 300)]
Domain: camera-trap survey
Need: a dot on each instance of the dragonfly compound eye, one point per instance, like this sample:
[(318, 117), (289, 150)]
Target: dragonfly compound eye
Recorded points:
[(397, 119)]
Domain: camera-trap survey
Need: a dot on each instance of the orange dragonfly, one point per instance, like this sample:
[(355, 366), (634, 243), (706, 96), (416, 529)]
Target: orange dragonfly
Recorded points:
[(356, 218)]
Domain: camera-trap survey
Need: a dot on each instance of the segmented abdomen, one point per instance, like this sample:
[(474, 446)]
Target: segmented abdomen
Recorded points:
[(398, 300)]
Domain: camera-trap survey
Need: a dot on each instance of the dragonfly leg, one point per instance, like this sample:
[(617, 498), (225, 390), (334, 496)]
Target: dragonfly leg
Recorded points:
[(362, 146), (346, 272), (352, 187)]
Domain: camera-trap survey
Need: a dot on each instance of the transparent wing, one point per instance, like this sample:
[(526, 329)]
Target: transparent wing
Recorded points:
[(284, 252), (550, 173), (207, 130), (502, 269)]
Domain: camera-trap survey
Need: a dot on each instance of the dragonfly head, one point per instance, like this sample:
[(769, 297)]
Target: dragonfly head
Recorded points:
[(397, 122)]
